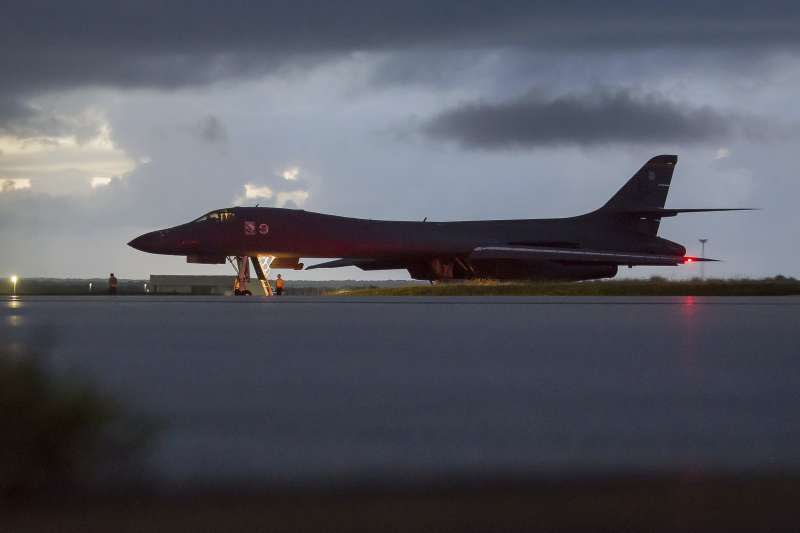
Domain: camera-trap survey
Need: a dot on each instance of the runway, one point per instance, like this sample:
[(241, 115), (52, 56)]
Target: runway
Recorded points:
[(314, 388)]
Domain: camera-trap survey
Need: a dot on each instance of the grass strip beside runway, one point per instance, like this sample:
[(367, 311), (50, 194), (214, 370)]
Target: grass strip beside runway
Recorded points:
[(777, 286)]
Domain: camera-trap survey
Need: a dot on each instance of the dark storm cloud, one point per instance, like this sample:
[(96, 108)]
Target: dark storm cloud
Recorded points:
[(23, 120), (212, 130), (54, 44), (604, 116)]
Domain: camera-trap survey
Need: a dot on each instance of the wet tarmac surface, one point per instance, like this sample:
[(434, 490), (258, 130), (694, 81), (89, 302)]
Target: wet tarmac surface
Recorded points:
[(331, 388)]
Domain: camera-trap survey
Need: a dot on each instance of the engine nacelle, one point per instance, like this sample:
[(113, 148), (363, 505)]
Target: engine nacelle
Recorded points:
[(439, 269)]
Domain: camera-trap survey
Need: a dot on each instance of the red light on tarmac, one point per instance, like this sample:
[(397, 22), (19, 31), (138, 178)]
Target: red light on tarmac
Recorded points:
[(689, 259)]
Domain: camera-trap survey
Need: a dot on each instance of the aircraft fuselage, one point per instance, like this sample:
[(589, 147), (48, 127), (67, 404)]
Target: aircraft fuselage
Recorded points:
[(624, 231)]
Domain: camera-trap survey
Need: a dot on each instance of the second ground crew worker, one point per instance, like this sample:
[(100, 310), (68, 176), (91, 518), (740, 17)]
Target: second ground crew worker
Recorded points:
[(112, 284), (279, 285)]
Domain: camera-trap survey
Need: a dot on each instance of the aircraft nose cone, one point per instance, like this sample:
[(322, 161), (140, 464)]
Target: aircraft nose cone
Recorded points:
[(143, 243), (136, 243)]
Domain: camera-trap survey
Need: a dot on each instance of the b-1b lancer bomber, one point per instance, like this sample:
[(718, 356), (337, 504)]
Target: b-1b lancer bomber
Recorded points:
[(623, 232)]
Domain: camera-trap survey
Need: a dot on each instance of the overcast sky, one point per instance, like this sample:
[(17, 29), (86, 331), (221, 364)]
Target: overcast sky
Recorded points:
[(120, 119)]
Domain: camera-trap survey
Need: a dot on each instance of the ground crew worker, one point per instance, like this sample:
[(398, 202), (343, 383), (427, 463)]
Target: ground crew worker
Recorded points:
[(112, 284), (279, 285)]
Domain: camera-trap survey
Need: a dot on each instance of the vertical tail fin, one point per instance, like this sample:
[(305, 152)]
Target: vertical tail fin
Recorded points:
[(647, 189)]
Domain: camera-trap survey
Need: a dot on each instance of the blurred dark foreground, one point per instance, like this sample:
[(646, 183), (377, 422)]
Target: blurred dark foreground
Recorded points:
[(62, 438), (71, 459), (660, 503)]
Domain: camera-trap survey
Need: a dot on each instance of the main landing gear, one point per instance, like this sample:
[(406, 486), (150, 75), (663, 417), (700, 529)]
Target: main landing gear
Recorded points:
[(241, 264)]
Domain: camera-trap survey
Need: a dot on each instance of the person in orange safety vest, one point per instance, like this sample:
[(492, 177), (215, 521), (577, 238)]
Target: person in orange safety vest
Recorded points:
[(279, 285)]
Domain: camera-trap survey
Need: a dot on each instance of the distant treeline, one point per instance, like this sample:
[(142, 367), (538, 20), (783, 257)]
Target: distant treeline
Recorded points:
[(59, 286), (655, 286), (99, 286)]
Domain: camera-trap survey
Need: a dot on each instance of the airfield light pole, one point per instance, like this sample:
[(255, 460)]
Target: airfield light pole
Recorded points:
[(14, 280), (703, 254)]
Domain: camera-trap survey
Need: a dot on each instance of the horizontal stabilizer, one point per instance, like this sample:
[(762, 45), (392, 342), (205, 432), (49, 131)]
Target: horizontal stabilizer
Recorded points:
[(608, 257), (660, 212)]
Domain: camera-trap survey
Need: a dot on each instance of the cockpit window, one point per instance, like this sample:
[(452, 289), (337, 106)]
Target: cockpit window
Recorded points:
[(226, 215), (223, 215)]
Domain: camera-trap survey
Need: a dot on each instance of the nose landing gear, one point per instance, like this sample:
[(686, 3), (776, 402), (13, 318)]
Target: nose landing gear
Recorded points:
[(261, 266)]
